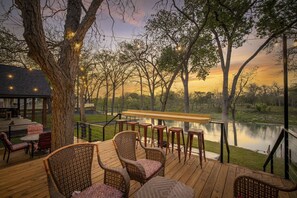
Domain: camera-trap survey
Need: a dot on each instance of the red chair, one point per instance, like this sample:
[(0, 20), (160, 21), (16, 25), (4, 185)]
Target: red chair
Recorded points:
[(9, 147), (44, 142)]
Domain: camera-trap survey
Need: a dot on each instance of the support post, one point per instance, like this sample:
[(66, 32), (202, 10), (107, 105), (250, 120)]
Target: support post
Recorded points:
[(25, 107), (286, 110), (44, 112), (33, 109), (222, 143)]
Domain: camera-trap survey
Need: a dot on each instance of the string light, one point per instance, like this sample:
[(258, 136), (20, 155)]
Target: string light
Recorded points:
[(295, 43), (35, 89), (70, 35), (179, 48), (10, 76), (10, 87), (77, 46)]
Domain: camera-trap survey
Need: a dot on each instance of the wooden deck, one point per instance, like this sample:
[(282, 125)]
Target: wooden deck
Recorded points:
[(213, 180)]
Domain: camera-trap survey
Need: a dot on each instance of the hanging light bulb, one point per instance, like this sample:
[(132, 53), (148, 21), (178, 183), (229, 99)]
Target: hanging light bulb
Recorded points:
[(295, 43)]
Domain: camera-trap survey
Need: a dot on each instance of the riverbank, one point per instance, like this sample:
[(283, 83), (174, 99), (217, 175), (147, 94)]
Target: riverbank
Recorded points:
[(275, 115)]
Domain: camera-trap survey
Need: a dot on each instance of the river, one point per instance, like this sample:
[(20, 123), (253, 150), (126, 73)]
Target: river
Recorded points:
[(256, 137)]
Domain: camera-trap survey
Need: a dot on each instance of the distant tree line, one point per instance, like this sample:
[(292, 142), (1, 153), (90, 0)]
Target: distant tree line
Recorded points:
[(255, 97)]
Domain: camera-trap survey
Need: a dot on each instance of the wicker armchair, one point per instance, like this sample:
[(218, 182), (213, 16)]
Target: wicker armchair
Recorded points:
[(246, 186), (140, 170), (69, 174)]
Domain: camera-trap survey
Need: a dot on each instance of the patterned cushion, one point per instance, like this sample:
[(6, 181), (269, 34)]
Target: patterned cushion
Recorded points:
[(150, 166), (35, 128), (98, 190), (19, 146)]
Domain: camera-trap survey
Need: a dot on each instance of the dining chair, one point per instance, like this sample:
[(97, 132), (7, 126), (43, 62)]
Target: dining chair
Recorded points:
[(140, 170), (69, 173), (9, 147), (44, 143)]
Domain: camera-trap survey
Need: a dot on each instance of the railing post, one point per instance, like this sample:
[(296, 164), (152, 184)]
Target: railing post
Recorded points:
[(222, 143), (286, 140), (120, 115), (271, 165), (103, 134), (77, 131), (286, 110), (90, 133)]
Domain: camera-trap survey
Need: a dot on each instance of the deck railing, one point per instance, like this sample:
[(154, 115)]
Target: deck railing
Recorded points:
[(223, 140), (94, 132), (288, 154), (89, 132)]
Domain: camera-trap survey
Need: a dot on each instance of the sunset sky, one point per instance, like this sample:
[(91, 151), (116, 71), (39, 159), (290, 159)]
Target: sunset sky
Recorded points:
[(270, 67), (269, 71)]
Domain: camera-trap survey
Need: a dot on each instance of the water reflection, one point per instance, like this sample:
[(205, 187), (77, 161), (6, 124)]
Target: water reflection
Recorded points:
[(252, 136)]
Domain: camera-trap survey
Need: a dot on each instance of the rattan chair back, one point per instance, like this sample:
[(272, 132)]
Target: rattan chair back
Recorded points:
[(125, 143), (70, 167)]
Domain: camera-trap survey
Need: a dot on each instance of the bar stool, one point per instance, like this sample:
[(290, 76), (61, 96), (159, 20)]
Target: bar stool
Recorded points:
[(121, 123), (177, 131), (201, 146), (159, 130), (132, 124), (145, 126)]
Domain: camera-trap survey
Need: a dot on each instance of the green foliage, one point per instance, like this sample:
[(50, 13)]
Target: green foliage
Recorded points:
[(231, 20), (260, 107), (275, 15)]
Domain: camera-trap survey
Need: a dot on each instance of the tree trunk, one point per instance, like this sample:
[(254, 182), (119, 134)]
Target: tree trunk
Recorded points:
[(112, 99), (62, 116), (123, 97), (225, 104), (106, 101), (185, 80), (82, 103), (234, 126), (152, 101), (141, 92), (97, 98)]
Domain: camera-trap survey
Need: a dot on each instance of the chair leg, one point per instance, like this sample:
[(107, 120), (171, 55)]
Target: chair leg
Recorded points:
[(186, 149), (203, 145), (178, 145), (8, 156), (4, 154), (191, 142), (200, 149), (145, 135), (168, 140), (153, 131), (172, 140), (184, 141)]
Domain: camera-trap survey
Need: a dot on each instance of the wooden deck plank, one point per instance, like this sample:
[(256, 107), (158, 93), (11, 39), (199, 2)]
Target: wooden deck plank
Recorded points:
[(220, 183), (212, 180), (228, 190), (209, 181)]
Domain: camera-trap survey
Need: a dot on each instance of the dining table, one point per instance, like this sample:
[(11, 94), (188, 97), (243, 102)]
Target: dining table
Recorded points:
[(32, 139)]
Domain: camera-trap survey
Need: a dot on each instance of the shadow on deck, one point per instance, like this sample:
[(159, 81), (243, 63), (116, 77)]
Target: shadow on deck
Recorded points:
[(28, 179)]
